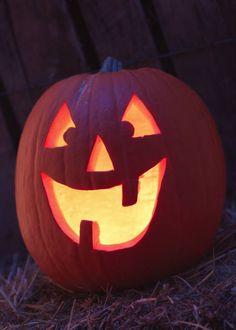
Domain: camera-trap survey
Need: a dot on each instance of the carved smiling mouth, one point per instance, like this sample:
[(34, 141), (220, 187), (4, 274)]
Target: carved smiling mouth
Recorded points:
[(113, 227)]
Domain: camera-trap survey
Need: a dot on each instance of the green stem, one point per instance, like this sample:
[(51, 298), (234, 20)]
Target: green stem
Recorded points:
[(111, 65)]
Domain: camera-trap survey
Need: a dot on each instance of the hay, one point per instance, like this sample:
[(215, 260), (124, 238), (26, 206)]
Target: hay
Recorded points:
[(201, 298)]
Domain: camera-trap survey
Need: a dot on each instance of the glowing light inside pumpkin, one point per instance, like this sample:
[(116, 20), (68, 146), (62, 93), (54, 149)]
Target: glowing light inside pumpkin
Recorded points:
[(138, 115), (99, 159), (118, 226), (59, 126)]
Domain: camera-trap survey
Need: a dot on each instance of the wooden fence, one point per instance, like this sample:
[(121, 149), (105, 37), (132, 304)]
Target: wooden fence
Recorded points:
[(43, 41)]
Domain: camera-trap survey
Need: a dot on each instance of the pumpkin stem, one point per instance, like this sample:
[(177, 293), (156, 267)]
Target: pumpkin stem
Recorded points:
[(111, 65)]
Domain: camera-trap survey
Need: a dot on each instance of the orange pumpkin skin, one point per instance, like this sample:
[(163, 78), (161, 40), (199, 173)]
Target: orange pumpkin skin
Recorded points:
[(191, 195)]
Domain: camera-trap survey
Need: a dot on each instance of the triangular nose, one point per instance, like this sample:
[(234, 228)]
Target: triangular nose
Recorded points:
[(99, 160)]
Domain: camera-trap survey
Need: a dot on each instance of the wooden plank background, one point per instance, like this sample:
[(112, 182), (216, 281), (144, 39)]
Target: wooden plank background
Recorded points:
[(120, 30), (211, 71), (9, 234), (44, 41)]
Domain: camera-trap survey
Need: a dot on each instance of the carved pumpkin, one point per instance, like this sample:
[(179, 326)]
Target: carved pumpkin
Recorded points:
[(120, 179)]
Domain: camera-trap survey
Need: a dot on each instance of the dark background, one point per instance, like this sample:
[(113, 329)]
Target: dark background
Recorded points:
[(43, 41)]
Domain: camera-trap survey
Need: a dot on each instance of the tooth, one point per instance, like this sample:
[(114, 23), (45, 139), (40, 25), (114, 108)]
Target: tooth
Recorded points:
[(130, 191), (89, 235), (86, 235)]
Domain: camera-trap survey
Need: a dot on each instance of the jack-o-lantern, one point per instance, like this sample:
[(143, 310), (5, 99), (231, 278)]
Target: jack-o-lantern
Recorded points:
[(120, 179)]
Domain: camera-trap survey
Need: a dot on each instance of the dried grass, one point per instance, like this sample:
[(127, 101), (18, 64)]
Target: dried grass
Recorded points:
[(201, 298)]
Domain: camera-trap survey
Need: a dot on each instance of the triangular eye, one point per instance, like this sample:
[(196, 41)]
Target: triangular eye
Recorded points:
[(99, 160), (137, 114), (59, 126)]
